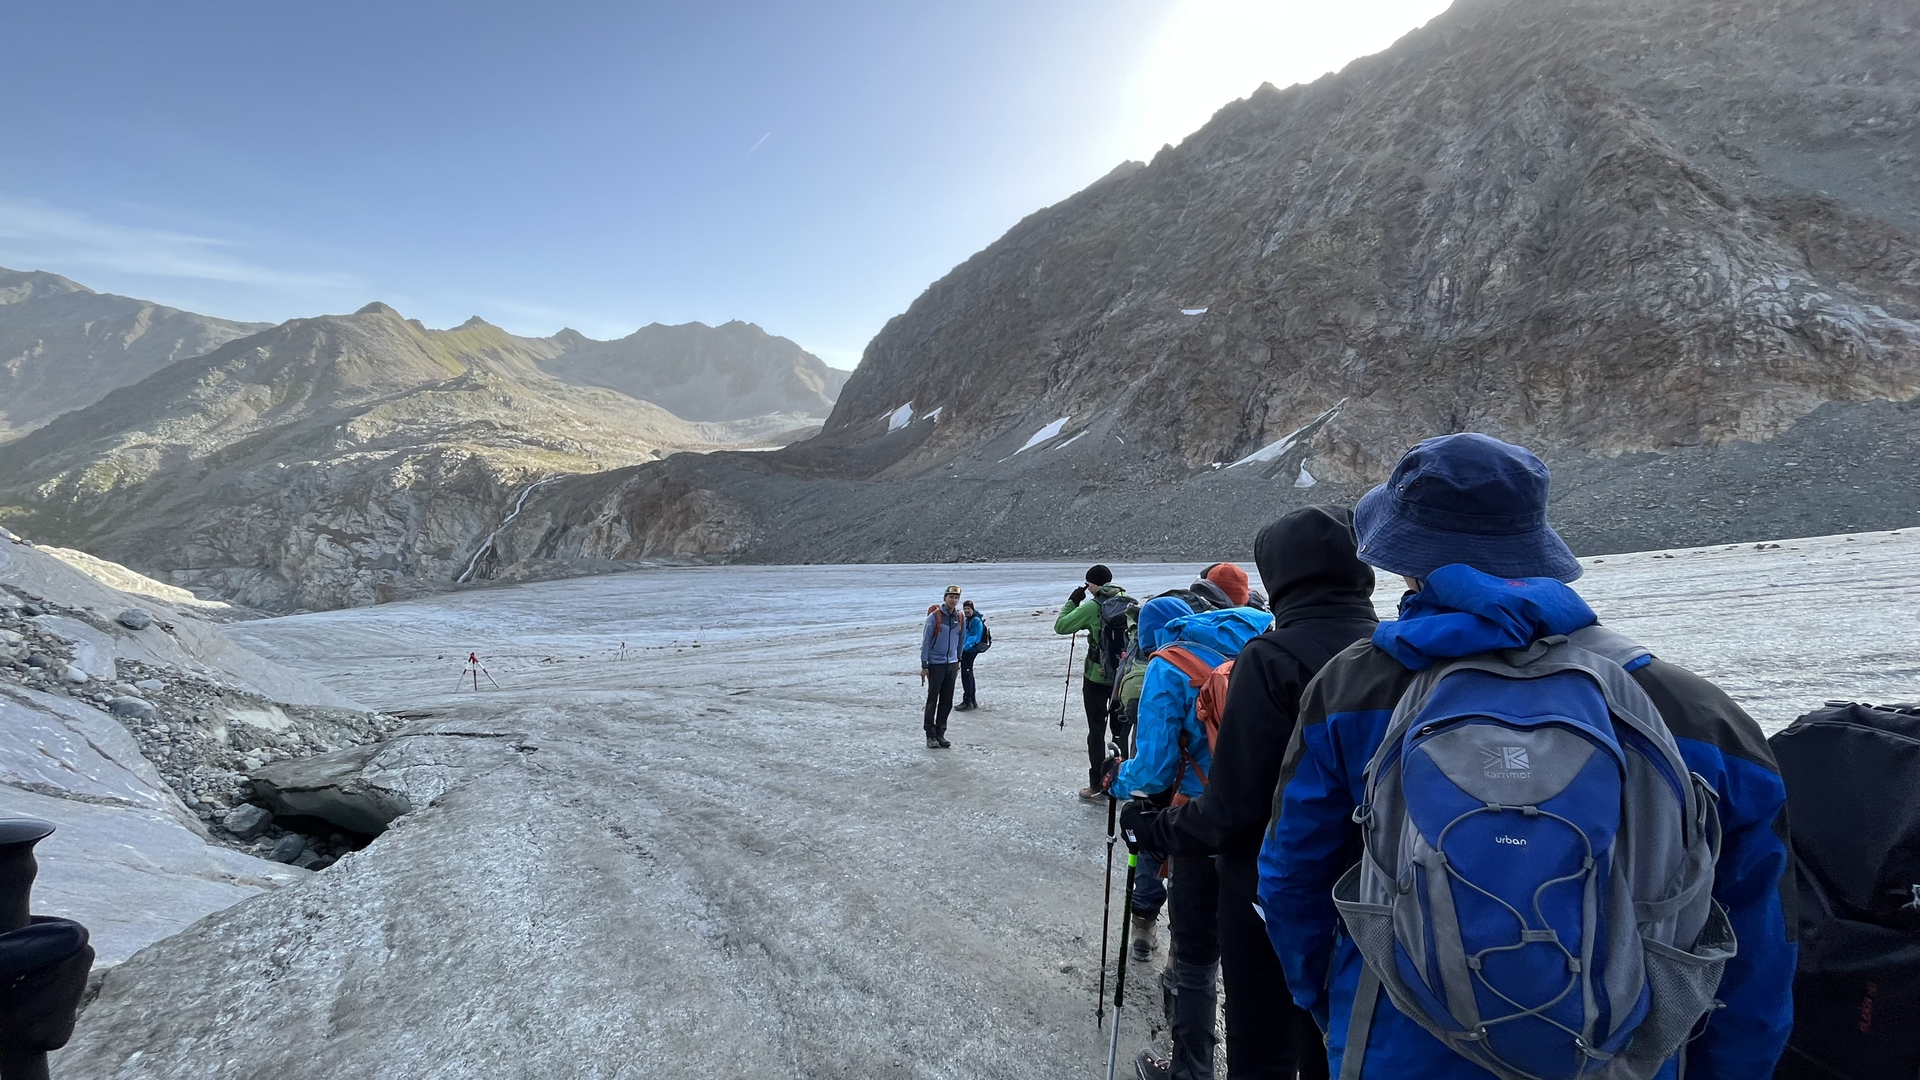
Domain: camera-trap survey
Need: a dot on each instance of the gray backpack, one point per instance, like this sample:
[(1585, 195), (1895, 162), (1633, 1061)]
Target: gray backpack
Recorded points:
[(1536, 885)]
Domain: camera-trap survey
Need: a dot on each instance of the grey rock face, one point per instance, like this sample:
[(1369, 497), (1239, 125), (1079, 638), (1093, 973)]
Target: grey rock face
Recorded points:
[(1595, 226), (134, 619)]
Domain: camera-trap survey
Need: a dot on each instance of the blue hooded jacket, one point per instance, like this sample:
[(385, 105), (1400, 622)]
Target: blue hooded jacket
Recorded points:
[(1167, 697), (1312, 840)]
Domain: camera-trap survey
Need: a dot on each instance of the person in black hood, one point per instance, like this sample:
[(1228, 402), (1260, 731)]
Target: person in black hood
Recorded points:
[(1322, 600)]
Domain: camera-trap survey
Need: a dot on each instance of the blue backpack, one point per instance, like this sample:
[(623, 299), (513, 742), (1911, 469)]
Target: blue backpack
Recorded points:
[(1536, 884)]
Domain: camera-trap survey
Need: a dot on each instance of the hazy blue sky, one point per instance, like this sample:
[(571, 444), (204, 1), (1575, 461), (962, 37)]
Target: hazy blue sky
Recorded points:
[(809, 167)]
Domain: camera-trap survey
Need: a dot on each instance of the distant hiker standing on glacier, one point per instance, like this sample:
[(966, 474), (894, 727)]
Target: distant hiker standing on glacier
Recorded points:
[(940, 645), (1105, 615)]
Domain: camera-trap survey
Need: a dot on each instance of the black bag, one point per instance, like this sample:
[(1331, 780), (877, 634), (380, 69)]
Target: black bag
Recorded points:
[(1853, 791), (986, 637), (1117, 614)]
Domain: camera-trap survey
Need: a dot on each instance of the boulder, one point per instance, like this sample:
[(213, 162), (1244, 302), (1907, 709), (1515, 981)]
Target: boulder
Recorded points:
[(288, 848), (134, 619), (132, 708), (330, 787), (247, 822), (76, 675)]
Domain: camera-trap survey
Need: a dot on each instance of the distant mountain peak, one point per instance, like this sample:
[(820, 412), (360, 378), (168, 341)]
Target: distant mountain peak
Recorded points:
[(378, 308)]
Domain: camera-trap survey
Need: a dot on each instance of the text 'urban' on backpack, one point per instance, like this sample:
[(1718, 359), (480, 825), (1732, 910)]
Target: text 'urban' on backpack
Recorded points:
[(1536, 882)]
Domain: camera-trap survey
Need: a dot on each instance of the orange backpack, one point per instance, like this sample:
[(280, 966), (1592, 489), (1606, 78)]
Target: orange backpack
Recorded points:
[(1211, 706)]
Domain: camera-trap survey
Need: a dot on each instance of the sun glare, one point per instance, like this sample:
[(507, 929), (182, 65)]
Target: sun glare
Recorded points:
[(1210, 52)]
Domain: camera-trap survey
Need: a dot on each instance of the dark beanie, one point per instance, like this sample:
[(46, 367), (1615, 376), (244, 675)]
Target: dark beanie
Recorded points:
[(1099, 575)]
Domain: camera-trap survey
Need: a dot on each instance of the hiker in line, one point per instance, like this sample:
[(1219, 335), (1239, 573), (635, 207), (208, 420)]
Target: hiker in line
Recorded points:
[(1322, 603), (1170, 764), (1231, 581), (1092, 607), (969, 649), (1463, 520), (940, 648)]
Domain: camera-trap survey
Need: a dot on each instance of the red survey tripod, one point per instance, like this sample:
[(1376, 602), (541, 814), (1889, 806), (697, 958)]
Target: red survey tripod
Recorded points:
[(475, 669)]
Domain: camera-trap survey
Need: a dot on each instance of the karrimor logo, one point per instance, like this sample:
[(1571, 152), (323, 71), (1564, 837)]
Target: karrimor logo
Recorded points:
[(1505, 762)]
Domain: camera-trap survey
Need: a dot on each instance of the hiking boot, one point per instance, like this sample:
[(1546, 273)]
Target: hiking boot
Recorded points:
[(1092, 794), (1149, 1067), (965, 706), (1143, 936), (941, 741), (933, 743)]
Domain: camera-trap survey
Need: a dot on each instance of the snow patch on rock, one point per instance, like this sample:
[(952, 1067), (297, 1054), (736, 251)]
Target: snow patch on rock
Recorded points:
[(1045, 433)]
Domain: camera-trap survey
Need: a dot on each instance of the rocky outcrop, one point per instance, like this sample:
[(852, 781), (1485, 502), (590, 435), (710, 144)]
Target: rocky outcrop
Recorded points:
[(734, 371), (64, 346), (1670, 246), (1596, 226), (139, 759)]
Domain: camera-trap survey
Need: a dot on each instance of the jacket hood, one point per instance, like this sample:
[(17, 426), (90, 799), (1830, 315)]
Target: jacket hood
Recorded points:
[(1154, 618), (1461, 611), (1309, 566), (1225, 632)]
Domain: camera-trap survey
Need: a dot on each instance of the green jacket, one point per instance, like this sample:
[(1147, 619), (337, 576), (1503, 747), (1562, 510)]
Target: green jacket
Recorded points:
[(1086, 616)]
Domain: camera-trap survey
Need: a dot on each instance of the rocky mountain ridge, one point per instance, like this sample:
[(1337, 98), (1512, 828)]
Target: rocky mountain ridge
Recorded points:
[(734, 371), (63, 346), (1670, 246), (328, 461)]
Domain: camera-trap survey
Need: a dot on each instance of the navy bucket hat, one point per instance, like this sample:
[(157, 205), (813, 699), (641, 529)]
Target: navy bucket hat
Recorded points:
[(1466, 498)]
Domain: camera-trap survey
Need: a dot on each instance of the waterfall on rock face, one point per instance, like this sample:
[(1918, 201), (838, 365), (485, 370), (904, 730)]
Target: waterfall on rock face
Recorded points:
[(487, 544)]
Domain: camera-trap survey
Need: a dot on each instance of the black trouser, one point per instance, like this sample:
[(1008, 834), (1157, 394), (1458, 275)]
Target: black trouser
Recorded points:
[(1193, 904), (940, 679), (1094, 696), (1268, 1036), (966, 679)]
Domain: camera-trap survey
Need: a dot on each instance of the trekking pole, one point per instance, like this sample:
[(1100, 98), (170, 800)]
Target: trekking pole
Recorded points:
[(1106, 920), (1120, 980), (1067, 687)]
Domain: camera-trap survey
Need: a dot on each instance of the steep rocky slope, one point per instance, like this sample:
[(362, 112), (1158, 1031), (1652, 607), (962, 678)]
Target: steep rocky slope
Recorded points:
[(1594, 225), (700, 372), (327, 461), (1670, 244), (64, 346)]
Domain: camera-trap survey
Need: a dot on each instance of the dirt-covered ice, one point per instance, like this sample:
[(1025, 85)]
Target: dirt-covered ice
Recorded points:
[(728, 853)]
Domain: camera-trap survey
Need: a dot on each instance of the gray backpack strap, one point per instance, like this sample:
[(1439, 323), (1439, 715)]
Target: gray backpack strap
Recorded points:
[(1611, 644), (1366, 999)]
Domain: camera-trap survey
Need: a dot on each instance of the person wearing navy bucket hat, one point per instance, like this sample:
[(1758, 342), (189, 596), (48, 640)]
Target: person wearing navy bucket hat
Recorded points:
[(1463, 498), (1464, 519)]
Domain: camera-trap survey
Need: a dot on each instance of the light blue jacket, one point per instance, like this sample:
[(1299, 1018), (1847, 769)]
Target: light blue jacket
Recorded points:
[(975, 626), (1167, 697), (940, 640)]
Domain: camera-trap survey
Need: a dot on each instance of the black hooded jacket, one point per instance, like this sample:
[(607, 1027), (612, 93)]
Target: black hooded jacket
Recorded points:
[(1322, 601)]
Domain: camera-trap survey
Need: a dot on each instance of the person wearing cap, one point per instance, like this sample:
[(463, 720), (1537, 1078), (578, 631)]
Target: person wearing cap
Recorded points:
[(941, 642), (1463, 520), (1082, 612)]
